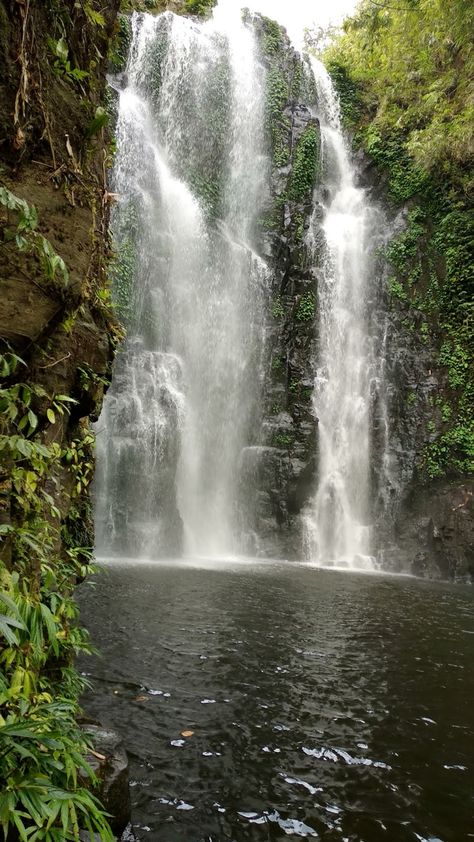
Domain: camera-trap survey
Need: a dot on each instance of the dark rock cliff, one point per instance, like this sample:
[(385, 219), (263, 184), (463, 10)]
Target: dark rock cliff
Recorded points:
[(427, 524), (282, 465)]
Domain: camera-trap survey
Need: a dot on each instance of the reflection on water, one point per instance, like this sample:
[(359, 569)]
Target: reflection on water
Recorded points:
[(265, 700)]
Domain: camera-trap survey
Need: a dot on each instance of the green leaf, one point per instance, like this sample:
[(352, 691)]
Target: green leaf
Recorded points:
[(23, 446), (50, 415), (32, 418), (101, 119), (5, 630), (51, 627), (61, 49), (23, 422)]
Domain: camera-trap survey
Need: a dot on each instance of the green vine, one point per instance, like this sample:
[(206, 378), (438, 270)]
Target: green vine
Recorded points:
[(44, 797)]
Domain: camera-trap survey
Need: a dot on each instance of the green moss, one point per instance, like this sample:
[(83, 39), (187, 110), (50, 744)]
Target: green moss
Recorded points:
[(455, 357), (207, 190), (199, 7), (278, 310), (277, 92), (120, 44), (396, 289), (278, 364), (298, 222), (348, 91), (280, 139), (452, 453), (406, 246), (272, 41), (306, 163), (406, 178), (306, 307), (191, 7), (446, 412), (283, 440), (297, 81)]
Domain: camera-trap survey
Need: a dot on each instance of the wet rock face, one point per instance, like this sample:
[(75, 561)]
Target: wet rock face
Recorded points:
[(435, 531), (425, 525), (110, 764), (283, 465)]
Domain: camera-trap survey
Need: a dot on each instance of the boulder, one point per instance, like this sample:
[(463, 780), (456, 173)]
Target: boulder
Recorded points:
[(110, 763)]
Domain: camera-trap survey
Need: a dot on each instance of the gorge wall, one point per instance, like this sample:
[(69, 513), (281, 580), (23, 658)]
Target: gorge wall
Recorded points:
[(57, 339), (420, 445), (405, 81)]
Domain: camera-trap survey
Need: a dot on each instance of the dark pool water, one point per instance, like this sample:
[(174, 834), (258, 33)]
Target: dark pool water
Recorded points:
[(325, 705)]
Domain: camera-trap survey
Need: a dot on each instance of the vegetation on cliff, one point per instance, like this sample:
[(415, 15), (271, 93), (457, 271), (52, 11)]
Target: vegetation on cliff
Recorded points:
[(181, 7), (57, 335), (405, 75)]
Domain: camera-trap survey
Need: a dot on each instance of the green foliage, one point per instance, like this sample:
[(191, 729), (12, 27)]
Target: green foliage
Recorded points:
[(306, 307), (42, 748), (294, 386), (278, 125), (397, 289), (43, 774), (189, 7), (306, 163), (456, 358), (451, 453), (278, 311), (62, 65), (120, 44), (94, 17), (406, 178), (273, 38), (411, 67), (199, 7), (26, 237), (207, 190), (446, 412), (278, 364), (405, 75), (298, 222), (101, 118), (283, 440), (348, 91), (297, 81), (123, 265), (406, 246)]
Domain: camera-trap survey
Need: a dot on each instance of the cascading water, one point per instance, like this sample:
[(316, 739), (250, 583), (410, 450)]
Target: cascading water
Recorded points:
[(184, 402), (337, 521)]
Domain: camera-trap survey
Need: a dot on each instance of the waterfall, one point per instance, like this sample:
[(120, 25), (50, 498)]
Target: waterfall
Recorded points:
[(184, 403), (337, 522), (206, 440)]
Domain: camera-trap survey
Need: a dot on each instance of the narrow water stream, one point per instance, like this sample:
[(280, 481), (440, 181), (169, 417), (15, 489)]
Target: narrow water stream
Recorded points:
[(338, 520), (322, 704)]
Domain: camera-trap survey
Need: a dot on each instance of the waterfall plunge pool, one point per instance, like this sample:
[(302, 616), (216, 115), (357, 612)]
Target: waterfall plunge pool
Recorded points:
[(321, 704), (327, 705)]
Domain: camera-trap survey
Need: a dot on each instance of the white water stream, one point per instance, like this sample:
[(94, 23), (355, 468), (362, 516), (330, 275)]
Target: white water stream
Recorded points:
[(185, 397), (337, 523)]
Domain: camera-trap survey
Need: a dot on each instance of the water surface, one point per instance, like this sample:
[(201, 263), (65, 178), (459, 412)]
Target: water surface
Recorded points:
[(322, 704)]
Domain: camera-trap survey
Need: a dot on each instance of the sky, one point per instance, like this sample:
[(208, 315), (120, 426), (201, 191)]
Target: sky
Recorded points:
[(295, 15)]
